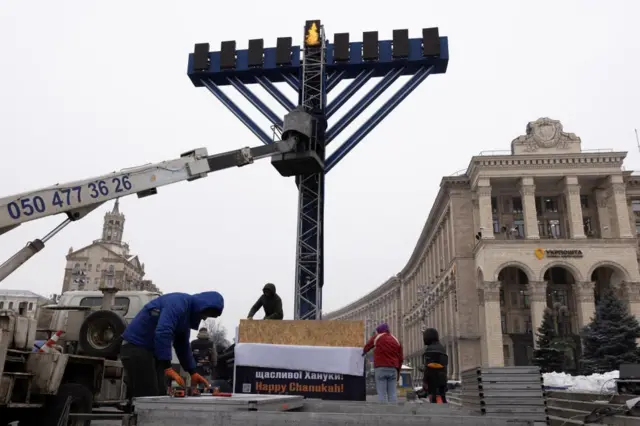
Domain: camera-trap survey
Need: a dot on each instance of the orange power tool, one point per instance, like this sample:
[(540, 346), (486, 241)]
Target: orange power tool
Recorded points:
[(181, 393), (216, 392), (178, 393)]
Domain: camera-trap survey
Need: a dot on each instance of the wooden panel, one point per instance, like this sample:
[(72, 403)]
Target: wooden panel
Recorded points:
[(304, 333)]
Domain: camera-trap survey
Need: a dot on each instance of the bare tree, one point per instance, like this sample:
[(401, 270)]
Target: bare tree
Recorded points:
[(217, 332)]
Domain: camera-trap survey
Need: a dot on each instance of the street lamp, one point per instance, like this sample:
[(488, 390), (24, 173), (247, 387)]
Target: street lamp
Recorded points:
[(562, 325), (370, 325), (560, 314), (423, 293)]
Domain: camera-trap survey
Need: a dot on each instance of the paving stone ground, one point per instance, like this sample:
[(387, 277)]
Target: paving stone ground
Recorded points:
[(370, 398)]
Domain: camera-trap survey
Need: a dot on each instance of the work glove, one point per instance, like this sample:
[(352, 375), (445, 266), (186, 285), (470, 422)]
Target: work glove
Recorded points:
[(197, 379), (173, 375)]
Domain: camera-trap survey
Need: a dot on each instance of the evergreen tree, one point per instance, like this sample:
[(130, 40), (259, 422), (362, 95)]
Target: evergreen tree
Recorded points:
[(548, 356), (610, 339)]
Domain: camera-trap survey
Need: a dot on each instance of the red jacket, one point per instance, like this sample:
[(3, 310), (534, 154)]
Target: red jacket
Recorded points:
[(387, 350)]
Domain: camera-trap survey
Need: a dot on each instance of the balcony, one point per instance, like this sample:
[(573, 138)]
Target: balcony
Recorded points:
[(549, 227)]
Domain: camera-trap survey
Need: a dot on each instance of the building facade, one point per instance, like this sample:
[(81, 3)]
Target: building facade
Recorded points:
[(29, 304), (106, 262), (546, 225), (24, 302)]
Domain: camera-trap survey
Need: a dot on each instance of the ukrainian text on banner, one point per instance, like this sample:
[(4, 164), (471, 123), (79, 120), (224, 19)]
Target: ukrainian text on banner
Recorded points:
[(309, 384)]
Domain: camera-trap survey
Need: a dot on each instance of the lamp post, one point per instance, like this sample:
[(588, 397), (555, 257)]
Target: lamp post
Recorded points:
[(561, 324), (560, 315), (423, 293), (370, 326)]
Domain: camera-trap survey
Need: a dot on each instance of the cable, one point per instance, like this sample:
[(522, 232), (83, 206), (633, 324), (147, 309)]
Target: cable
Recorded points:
[(599, 413)]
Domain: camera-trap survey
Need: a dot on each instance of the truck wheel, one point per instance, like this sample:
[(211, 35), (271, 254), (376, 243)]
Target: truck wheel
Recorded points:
[(81, 402), (101, 334)]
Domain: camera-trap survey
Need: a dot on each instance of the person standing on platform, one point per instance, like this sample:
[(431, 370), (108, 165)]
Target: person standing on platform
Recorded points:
[(387, 362), (436, 361), (271, 303)]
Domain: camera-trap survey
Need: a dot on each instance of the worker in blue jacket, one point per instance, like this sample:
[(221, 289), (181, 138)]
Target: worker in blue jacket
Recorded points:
[(162, 323)]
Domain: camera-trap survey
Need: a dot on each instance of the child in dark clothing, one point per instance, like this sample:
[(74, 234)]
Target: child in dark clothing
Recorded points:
[(436, 362)]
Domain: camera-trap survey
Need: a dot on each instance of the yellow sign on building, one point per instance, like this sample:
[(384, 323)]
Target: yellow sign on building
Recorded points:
[(561, 253)]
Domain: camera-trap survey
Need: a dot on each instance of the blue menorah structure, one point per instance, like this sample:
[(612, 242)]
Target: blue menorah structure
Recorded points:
[(313, 70)]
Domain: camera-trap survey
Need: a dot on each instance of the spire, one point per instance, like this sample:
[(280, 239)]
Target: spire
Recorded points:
[(113, 227)]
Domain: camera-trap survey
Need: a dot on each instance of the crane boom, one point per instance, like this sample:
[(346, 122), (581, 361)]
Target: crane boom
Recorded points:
[(79, 198)]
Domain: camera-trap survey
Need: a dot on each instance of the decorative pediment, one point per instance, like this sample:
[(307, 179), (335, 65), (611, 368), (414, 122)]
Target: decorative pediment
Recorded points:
[(135, 262), (544, 136), (83, 252)]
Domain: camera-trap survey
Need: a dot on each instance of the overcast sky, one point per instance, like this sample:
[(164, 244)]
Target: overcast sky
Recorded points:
[(91, 87)]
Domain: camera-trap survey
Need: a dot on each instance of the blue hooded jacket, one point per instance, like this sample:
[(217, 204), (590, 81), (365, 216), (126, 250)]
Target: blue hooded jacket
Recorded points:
[(168, 320)]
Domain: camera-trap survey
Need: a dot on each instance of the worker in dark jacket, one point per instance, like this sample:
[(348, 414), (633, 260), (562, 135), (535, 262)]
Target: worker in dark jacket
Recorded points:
[(436, 362), (162, 323), (204, 354), (271, 303)]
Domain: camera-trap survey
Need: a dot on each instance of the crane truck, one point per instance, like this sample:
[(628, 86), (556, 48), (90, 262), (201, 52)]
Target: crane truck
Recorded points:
[(70, 384)]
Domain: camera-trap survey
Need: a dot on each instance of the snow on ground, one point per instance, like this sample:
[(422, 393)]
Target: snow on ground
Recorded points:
[(594, 383), (597, 383)]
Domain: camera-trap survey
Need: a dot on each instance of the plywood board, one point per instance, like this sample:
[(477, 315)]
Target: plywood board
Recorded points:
[(306, 333)]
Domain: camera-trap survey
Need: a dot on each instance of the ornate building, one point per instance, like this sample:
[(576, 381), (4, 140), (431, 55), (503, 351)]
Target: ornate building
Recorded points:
[(107, 261), (546, 225)]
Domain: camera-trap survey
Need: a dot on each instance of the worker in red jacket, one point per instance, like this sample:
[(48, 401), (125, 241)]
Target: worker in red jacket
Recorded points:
[(387, 361)]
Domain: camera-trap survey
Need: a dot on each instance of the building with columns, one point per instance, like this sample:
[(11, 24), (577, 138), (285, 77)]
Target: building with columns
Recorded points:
[(106, 262), (544, 225)]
